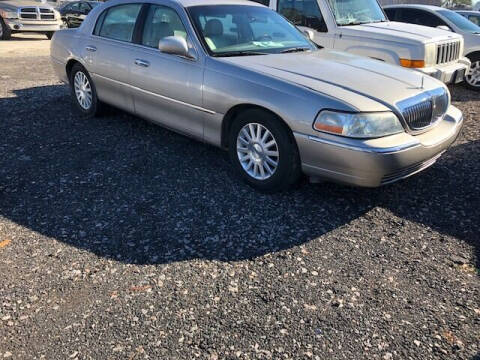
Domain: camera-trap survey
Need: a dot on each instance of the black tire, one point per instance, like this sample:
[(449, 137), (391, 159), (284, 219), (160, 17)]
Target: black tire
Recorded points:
[(475, 59), (96, 106), (288, 170), (5, 32), (49, 35)]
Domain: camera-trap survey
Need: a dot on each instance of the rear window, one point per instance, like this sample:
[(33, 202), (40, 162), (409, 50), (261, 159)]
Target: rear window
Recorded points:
[(118, 22)]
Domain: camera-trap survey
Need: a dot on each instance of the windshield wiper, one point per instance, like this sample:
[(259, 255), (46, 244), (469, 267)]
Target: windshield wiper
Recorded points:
[(239, 53), (295, 49)]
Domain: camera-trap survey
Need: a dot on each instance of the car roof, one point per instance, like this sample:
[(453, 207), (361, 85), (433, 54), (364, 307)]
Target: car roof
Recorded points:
[(473, 12), (416, 6), (188, 3)]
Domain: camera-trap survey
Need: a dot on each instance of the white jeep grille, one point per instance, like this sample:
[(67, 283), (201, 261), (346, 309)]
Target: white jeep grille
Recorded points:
[(448, 52)]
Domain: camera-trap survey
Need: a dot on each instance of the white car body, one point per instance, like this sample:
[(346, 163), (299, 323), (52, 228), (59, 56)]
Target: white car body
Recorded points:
[(471, 39), (391, 41)]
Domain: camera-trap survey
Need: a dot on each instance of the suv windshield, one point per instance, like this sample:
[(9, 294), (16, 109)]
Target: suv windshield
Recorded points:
[(460, 21), (236, 30), (355, 12)]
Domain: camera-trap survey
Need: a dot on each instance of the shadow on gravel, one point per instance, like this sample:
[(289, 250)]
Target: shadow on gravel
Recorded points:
[(129, 190)]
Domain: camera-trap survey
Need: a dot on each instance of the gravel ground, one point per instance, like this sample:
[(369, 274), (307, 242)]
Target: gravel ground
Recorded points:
[(122, 240)]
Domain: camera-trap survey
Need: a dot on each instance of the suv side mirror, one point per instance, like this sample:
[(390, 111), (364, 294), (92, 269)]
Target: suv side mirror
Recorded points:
[(444, 27), (174, 45)]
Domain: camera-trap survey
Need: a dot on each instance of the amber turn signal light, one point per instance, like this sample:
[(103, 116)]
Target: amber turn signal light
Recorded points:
[(412, 63)]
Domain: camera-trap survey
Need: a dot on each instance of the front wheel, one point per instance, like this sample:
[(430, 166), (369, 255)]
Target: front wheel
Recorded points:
[(472, 78), (5, 32), (263, 151)]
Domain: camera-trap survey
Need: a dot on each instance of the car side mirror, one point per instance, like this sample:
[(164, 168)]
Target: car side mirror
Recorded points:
[(309, 34), (444, 27), (174, 45)]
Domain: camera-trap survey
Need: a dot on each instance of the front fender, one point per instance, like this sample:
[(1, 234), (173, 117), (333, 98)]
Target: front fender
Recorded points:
[(387, 55)]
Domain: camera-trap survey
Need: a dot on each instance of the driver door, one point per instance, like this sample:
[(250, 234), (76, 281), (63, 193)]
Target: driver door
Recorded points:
[(166, 88)]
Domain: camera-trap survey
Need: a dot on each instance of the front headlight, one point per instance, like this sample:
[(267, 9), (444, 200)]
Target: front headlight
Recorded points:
[(8, 14), (58, 16), (358, 125)]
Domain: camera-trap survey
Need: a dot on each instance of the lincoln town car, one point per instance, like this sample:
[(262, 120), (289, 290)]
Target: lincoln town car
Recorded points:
[(238, 75)]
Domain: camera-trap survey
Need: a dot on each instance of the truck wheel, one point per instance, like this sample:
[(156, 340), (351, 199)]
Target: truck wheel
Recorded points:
[(5, 32), (49, 35), (472, 78), (263, 152)]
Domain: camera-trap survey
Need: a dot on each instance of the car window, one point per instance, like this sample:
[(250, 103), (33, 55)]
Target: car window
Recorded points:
[(475, 19), (355, 12), (420, 17), (459, 21), (303, 13), (74, 7), (263, 2), (161, 21), (119, 22), (229, 30), (84, 8), (391, 14)]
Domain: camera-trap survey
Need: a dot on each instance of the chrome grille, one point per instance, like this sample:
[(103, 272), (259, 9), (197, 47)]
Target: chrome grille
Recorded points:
[(426, 109), (448, 52), (36, 13), (419, 116)]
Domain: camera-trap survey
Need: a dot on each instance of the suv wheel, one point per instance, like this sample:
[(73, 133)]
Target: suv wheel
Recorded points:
[(472, 78), (83, 91), (5, 32), (263, 151)]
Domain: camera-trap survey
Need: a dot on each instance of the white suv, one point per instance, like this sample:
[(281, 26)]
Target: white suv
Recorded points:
[(361, 27), (446, 19)]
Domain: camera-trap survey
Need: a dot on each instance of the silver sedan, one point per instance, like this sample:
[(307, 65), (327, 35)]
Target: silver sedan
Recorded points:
[(238, 75)]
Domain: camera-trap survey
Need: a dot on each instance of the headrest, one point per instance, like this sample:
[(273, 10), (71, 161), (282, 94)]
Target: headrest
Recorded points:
[(213, 27)]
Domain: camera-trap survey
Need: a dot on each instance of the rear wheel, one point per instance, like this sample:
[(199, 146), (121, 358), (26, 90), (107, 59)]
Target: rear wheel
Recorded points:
[(49, 35), (5, 32), (83, 91), (472, 78), (263, 151)]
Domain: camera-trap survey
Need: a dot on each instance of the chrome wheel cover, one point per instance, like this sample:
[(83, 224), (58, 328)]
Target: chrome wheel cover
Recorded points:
[(473, 75), (257, 151), (83, 90)]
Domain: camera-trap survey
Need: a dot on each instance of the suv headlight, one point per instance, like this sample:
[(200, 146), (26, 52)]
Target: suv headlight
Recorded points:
[(8, 14), (358, 125)]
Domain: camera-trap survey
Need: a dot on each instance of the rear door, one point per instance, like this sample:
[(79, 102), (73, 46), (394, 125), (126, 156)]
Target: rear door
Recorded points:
[(108, 52)]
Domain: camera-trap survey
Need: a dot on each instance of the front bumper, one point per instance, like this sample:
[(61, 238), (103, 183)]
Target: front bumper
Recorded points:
[(34, 26), (450, 73), (376, 162)]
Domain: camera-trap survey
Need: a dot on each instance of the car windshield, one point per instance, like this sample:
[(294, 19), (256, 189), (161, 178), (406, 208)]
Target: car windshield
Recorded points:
[(236, 30), (461, 22), (355, 12)]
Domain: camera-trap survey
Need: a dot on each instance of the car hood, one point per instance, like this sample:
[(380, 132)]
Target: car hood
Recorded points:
[(13, 5), (400, 32), (360, 82)]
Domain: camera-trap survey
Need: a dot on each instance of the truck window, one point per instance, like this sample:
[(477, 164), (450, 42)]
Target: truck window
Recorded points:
[(303, 13), (356, 12)]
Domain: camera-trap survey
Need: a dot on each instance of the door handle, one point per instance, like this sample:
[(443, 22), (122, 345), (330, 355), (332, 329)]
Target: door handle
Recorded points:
[(141, 62), (90, 48)]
